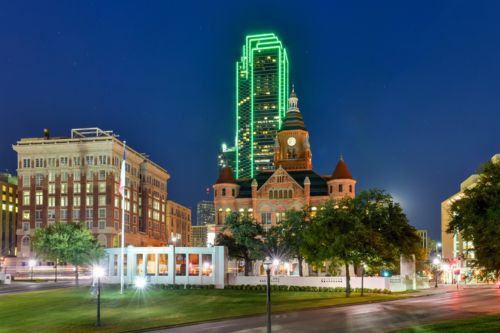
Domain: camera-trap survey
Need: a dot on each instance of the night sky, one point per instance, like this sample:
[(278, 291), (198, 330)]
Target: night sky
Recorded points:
[(408, 93)]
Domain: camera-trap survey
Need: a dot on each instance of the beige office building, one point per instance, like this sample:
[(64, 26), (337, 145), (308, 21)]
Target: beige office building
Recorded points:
[(8, 214), (179, 224), (453, 244)]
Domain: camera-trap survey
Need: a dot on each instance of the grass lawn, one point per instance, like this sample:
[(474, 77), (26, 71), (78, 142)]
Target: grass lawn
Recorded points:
[(74, 309), (481, 324)]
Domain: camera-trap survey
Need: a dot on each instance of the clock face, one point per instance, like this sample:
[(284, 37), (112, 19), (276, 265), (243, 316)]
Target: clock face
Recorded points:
[(291, 141)]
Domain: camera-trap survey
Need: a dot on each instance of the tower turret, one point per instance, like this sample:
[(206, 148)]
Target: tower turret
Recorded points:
[(341, 183)]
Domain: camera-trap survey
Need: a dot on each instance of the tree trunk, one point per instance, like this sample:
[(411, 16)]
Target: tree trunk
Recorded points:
[(300, 265), (55, 276), (248, 266), (347, 281), (76, 275)]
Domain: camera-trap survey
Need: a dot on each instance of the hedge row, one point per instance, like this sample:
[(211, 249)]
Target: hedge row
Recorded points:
[(183, 286), (274, 287)]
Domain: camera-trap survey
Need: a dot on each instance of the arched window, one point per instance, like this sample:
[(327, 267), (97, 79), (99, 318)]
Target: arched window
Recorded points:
[(223, 192), (275, 194), (290, 193), (285, 194), (280, 194), (26, 241), (270, 194)]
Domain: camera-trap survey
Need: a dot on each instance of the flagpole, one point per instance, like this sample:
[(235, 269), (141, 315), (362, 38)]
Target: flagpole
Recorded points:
[(122, 277)]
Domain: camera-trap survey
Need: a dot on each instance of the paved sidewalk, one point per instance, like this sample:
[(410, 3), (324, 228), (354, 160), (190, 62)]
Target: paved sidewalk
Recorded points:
[(21, 287)]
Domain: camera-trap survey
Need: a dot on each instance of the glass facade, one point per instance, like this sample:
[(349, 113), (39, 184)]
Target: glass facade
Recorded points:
[(261, 102)]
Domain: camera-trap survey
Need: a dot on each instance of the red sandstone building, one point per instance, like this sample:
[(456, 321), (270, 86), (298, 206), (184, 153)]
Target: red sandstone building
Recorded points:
[(292, 185), (76, 179)]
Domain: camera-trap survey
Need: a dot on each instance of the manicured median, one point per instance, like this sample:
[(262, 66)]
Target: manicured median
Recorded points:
[(483, 324), (74, 309)]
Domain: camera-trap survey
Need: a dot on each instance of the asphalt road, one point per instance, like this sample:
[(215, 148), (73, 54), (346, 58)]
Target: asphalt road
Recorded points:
[(21, 287), (376, 317)]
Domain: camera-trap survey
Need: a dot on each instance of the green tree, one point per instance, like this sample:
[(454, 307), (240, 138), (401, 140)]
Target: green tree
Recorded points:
[(333, 236), (476, 217), (67, 242), (243, 238), (293, 227)]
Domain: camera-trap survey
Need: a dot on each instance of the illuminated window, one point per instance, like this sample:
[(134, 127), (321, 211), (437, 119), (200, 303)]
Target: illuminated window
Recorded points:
[(162, 264), (194, 264)]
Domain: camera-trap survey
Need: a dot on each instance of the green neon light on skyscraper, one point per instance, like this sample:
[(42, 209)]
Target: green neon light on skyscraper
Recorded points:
[(261, 95)]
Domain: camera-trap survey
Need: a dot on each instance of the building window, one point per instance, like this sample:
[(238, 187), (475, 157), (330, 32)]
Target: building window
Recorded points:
[(38, 215), (39, 198), (162, 264), (89, 200), (38, 225), (63, 161), (102, 200), (89, 225), (38, 179), (64, 201), (341, 188), (52, 188), (89, 160), (64, 188), (102, 187), (26, 226), (180, 264), (266, 218), (350, 188), (102, 225), (77, 176), (26, 181), (232, 192), (223, 192), (52, 202), (89, 213), (64, 176), (76, 215), (26, 163), (26, 198), (194, 264), (77, 187), (330, 187), (64, 214), (76, 160), (76, 201), (151, 264), (26, 214), (51, 214), (102, 213), (280, 217), (38, 162), (140, 264), (52, 176), (89, 187), (102, 175)]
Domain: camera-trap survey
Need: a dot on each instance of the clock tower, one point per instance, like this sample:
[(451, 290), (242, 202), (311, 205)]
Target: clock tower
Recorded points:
[(292, 150)]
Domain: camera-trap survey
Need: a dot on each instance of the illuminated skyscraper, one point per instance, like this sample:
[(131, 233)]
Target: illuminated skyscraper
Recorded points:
[(261, 102)]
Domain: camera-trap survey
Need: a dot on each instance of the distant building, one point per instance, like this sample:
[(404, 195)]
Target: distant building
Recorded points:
[(76, 179), (423, 239), (205, 213), (200, 235), (292, 185), (179, 224), (226, 157), (261, 93), (8, 214), (453, 246)]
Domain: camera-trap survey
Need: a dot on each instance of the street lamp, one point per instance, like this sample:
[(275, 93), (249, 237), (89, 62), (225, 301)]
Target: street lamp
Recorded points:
[(438, 246), (32, 264), (436, 262), (267, 267), (140, 282), (98, 273), (174, 240)]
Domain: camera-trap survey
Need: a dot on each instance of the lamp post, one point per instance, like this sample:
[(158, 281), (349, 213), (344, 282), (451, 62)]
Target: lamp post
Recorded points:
[(32, 264), (98, 272), (174, 240), (438, 251), (436, 262), (267, 267)]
